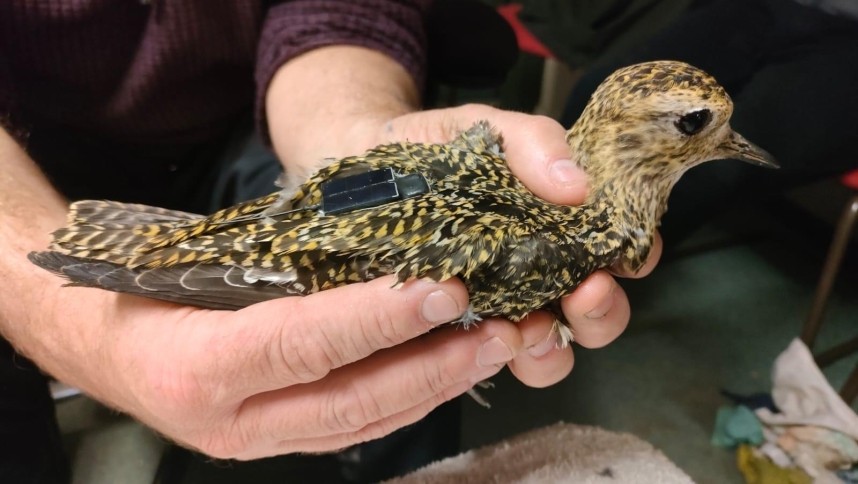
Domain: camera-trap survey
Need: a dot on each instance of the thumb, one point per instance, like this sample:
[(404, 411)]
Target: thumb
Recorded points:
[(535, 146), (537, 153)]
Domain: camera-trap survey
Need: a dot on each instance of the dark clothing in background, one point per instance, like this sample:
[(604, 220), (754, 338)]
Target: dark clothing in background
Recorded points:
[(581, 31), (32, 451), (121, 98), (791, 71)]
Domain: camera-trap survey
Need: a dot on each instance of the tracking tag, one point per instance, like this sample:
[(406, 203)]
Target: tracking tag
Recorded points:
[(370, 189)]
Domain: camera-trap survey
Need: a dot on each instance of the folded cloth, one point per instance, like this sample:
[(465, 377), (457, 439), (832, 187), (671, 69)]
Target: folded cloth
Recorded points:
[(804, 396), (817, 450), (815, 429), (556, 454)]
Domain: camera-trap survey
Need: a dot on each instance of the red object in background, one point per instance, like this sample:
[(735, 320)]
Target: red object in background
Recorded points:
[(527, 42), (850, 179)]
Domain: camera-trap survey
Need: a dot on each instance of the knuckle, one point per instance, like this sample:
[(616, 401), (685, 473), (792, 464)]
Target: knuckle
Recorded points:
[(229, 438), (476, 110), (302, 352), (464, 116), (383, 428), (352, 409), (448, 128), (378, 328), (543, 123), (437, 377), (450, 393), (389, 425)]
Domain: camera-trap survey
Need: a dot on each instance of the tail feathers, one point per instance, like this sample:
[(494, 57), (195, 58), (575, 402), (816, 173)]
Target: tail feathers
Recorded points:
[(114, 231), (206, 286), (116, 245), (99, 212), (252, 210)]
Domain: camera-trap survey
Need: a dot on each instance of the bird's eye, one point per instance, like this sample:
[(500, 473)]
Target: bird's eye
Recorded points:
[(693, 122)]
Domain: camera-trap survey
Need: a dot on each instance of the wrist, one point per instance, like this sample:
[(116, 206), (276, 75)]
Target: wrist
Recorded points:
[(333, 102), (63, 331)]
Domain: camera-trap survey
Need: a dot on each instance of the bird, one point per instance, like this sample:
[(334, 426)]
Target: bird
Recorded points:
[(434, 211)]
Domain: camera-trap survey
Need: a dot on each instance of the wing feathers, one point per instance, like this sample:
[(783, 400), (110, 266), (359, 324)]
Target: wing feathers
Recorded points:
[(281, 245), (205, 286)]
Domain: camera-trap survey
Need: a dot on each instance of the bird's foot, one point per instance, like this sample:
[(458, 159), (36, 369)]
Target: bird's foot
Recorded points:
[(565, 337), (469, 319), (485, 384)]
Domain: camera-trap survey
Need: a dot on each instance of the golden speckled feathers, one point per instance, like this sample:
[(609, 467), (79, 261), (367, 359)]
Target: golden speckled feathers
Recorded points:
[(478, 222), (643, 128)]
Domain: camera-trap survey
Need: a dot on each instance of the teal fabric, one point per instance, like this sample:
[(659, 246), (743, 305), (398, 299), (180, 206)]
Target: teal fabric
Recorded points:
[(736, 425)]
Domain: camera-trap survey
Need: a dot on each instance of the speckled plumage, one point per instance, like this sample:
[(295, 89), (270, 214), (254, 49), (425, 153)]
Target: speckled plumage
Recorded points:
[(514, 251)]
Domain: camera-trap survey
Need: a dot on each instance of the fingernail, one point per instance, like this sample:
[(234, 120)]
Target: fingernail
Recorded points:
[(544, 346), (493, 352), (565, 173), (439, 307), (603, 307)]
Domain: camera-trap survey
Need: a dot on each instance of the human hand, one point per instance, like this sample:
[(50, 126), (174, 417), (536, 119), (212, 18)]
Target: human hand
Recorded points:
[(339, 367), (538, 155), (308, 374), (299, 374), (313, 117)]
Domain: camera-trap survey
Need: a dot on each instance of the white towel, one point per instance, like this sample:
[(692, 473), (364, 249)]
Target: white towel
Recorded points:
[(558, 453)]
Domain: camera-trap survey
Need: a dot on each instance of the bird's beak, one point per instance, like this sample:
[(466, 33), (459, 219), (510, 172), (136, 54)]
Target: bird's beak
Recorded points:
[(737, 147)]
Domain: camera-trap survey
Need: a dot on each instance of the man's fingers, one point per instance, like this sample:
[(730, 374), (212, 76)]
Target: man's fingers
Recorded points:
[(301, 339), (372, 431), (598, 310), (543, 362), (385, 384)]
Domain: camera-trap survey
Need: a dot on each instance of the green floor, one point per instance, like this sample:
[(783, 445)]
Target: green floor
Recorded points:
[(704, 321)]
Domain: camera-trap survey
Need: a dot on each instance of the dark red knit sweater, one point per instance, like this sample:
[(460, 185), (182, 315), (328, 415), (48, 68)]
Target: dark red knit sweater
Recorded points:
[(164, 75)]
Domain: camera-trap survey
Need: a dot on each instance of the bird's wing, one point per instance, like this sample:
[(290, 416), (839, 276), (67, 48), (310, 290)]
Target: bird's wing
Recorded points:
[(120, 214), (435, 235), (203, 285), (452, 231), (246, 212), (291, 222), (465, 156), (278, 245), (106, 230)]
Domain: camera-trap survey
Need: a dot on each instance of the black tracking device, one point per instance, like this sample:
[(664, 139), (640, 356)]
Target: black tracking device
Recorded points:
[(370, 189)]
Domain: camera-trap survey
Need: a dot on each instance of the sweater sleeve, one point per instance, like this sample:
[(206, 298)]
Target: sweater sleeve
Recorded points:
[(10, 120), (392, 27)]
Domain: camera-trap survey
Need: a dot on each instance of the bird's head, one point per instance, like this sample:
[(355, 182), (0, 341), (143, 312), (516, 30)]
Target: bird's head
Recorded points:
[(648, 123)]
